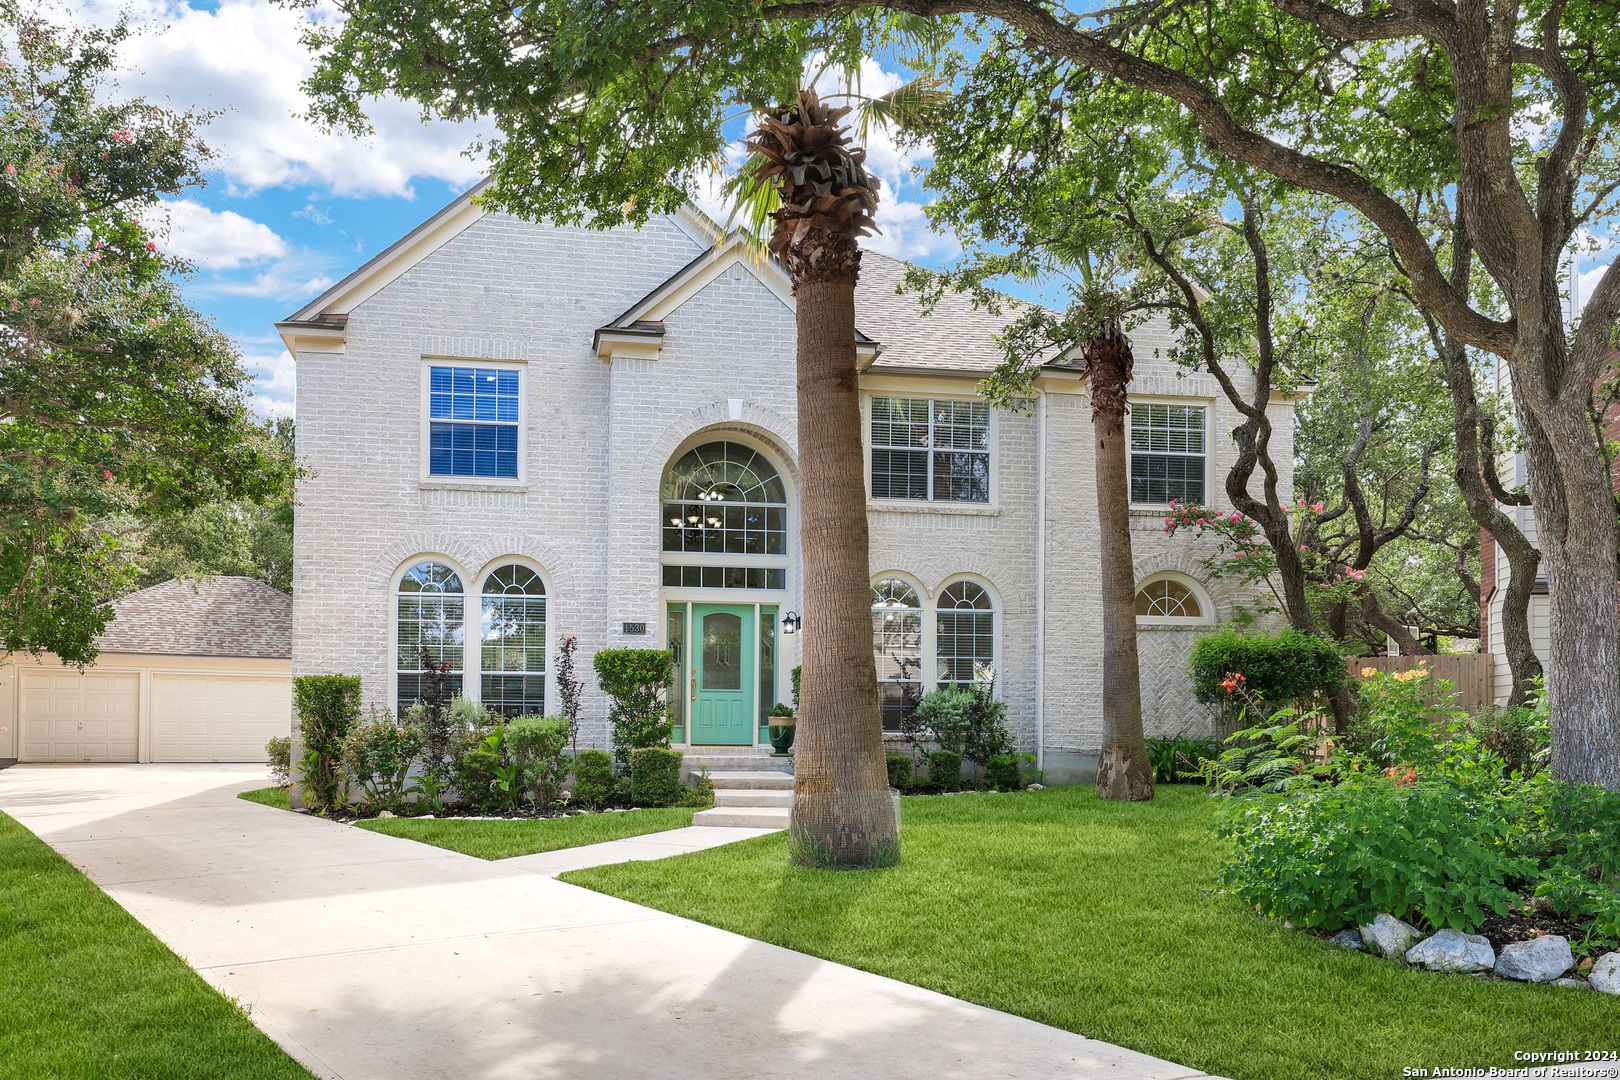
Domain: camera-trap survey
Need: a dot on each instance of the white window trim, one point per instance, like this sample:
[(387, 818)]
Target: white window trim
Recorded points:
[(472, 611), (1208, 404), (931, 631), (475, 660), (945, 506), (1193, 585), (426, 477)]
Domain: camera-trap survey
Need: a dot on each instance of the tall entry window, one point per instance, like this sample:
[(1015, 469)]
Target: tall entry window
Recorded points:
[(724, 498), (937, 450), (513, 649), (965, 631), (897, 648), (430, 613)]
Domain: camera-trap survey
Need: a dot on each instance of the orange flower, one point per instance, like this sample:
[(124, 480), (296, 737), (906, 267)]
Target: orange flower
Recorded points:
[(1232, 680), (1368, 672)]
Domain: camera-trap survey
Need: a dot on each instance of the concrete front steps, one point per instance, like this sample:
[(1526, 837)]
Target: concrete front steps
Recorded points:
[(749, 799)]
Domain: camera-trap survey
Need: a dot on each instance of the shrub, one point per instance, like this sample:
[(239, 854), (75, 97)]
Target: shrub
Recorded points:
[(945, 770), (377, 756), (636, 680), (970, 722), (902, 771), (593, 778), (278, 755), (568, 687), (1277, 668), (655, 776), (1001, 773), (537, 743), (1518, 737), (1179, 759), (326, 706), (701, 793)]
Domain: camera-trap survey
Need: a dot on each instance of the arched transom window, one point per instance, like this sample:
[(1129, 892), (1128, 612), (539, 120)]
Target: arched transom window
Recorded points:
[(966, 635), (431, 615), (512, 653), (727, 498), (897, 648), (1168, 598)]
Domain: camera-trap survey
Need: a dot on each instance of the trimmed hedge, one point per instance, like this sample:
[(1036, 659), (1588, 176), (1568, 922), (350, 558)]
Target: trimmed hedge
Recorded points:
[(327, 707), (945, 770), (593, 777), (1277, 668), (636, 680), (902, 773), (655, 777)]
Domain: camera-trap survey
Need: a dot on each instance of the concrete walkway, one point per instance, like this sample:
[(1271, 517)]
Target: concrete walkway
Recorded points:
[(368, 956), (658, 845)]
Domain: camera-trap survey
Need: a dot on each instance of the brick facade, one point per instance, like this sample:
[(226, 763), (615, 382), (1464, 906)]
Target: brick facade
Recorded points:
[(600, 435)]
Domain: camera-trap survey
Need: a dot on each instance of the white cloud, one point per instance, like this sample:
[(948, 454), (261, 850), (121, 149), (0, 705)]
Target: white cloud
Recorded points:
[(244, 59), (275, 380), (286, 280), (214, 239)]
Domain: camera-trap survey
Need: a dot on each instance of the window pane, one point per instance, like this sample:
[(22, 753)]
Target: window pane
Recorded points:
[(722, 651), (1167, 452), (962, 425), (1168, 599), (899, 474), (429, 612), (962, 477), (1161, 478), (899, 422), (965, 635)]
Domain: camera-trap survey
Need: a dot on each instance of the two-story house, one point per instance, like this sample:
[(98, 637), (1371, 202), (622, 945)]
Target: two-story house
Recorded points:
[(520, 432)]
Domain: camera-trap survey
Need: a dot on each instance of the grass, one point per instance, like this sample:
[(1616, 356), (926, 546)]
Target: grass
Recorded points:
[(269, 796), (1096, 917), (86, 991), (506, 839)]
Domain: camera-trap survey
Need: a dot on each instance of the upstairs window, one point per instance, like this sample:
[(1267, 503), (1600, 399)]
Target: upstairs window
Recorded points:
[(931, 450), (725, 498), (473, 422), (1167, 453)]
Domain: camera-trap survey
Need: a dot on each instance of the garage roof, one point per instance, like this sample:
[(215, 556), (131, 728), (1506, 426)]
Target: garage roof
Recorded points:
[(222, 616)]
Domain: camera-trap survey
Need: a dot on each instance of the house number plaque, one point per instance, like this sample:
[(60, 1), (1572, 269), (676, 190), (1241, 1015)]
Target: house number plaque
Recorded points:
[(635, 628)]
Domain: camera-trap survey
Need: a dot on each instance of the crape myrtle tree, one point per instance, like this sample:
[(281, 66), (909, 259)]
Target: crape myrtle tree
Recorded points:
[(118, 403)]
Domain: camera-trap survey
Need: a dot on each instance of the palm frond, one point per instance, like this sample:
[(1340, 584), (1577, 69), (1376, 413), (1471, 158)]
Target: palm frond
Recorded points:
[(913, 107), (753, 203)]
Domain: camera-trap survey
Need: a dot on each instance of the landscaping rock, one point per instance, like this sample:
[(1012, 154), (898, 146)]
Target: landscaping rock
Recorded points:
[(1541, 960), (1605, 974), (1578, 984), (1349, 939), (1388, 936), (1037, 787), (1451, 950), (384, 813)]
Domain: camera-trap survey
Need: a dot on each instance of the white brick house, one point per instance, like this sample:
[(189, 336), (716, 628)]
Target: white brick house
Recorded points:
[(520, 432)]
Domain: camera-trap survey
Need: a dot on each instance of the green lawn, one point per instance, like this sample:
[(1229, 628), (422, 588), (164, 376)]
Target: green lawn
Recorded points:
[(1095, 917), (269, 796), (505, 839), (86, 991)]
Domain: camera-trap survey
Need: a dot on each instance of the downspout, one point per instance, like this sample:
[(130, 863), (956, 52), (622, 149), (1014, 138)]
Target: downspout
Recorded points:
[(1040, 582)]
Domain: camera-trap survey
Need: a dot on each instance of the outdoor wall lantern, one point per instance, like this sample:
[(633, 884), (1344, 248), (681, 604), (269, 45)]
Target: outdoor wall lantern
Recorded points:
[(791, 623)]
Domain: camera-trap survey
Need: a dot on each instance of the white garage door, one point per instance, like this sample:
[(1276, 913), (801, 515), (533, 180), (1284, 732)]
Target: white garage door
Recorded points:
[(218, 717), (69, 716)]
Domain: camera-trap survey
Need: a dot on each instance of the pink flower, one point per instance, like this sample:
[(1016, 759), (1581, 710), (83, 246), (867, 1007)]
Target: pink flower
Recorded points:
[(151, 246), (1302, 547), (1317, 508), (1202, 521), (34, 302), (11, 169), (106, 474), (1236, 517)]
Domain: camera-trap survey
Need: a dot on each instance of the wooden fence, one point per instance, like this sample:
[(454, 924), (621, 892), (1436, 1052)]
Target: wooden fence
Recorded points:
[(1469, 674)]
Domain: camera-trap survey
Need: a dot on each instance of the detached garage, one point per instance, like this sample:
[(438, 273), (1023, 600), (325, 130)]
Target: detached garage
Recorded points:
[(188, 671)]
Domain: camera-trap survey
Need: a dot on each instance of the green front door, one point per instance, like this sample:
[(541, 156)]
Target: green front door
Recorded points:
[(722, 675)]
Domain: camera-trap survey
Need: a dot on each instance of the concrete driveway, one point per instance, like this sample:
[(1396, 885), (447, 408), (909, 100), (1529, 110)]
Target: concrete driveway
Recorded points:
[(367, 956)]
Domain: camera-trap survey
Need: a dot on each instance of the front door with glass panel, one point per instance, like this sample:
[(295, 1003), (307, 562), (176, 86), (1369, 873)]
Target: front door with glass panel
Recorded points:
[(720, 678)]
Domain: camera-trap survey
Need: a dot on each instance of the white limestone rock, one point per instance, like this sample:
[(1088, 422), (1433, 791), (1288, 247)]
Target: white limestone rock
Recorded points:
[(1541, 960), (1348, 939), (1452, 950), (1388, 936), (1605, 974)]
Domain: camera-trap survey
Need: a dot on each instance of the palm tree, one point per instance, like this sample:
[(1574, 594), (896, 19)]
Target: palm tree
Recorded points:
[(842, 814), (1123, 771)]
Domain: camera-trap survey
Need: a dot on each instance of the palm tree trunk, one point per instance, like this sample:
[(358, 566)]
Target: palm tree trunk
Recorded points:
[(1123, 771), (842, 813)]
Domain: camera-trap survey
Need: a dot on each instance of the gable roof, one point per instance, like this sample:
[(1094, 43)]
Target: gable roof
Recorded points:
[(956, 337), (223, 616)]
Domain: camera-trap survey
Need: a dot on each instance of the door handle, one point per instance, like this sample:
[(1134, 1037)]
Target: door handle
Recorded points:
[(694, 688)]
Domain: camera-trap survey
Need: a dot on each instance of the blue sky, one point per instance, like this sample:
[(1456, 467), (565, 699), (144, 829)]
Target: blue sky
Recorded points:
[(290, 210)]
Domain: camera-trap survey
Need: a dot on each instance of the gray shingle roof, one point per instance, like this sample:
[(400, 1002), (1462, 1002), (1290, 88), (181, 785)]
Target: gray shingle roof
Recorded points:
[(223, 616), (957, 336)]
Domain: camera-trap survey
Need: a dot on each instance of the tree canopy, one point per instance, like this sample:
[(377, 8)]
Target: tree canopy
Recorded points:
[(117, 400)]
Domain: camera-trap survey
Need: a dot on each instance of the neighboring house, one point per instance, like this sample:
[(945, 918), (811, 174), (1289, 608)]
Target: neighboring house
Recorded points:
[(188, 671), (519, 432)]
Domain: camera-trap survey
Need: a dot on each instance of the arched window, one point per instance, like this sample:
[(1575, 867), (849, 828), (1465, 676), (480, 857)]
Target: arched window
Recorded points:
[(430, 615), (965, 645), (512, 653), (1170, 598), (727, 498), (897, 647)]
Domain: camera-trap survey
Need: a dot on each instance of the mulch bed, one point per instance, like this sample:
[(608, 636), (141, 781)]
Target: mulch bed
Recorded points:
[(522, 813), (1502, 930)]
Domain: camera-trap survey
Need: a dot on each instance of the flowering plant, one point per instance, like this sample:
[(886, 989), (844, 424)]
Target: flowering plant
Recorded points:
[(1242, 550)]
